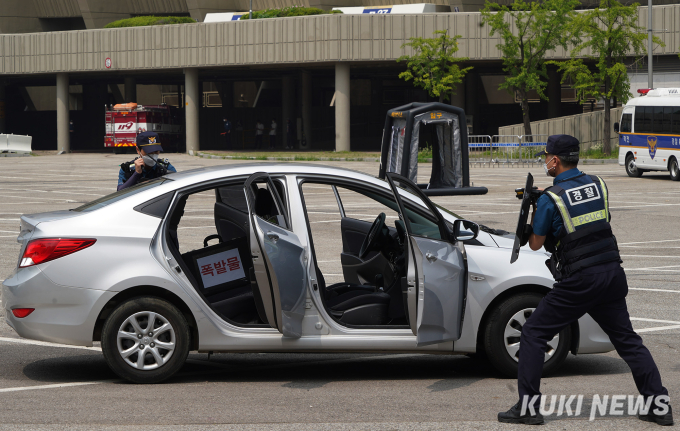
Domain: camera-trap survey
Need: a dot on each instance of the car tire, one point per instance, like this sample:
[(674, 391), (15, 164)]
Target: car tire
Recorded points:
[(631, 170), (164, 351), (501, 349), (674, 169)]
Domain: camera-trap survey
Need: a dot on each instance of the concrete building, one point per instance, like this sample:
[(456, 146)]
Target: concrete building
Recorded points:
[(335, 75)]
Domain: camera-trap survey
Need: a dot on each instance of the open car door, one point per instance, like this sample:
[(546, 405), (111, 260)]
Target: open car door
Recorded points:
[(278, 257), (436, 281)]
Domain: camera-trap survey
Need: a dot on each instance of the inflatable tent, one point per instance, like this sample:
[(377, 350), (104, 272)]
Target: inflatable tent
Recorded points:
[(404, 127)]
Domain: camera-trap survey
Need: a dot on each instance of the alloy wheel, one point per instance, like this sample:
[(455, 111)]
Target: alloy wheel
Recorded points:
[(513, 330), (146, 340)]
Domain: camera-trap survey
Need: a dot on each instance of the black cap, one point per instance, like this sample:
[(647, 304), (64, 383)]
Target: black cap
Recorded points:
[(149, 142), (561, 145)]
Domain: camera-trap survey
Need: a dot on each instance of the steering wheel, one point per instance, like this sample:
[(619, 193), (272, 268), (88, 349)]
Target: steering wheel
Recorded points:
[(374, 235)]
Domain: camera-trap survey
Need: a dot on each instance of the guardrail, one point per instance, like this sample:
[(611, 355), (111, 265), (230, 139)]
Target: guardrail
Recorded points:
[(505, 148)]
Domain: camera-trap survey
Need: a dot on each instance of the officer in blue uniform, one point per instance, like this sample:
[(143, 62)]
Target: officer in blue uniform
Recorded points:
[(147, 165), (571, 219)]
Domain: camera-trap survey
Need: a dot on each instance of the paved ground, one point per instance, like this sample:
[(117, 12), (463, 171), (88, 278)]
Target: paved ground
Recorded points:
[(47, 386)]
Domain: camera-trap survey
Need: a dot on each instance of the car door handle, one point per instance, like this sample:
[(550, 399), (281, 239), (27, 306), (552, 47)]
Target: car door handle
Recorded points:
[(273, 236), (431, 257)]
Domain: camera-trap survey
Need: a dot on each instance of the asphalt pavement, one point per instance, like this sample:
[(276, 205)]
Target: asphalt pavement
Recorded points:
[(46, 386)]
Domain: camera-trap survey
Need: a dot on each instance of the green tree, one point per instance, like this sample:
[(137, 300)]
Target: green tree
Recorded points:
[(529, 30), (610, 34), (434, 66)]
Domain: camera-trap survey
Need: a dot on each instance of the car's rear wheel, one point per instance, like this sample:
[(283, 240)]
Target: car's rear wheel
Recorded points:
[(502, 333), (145, 340), (631, 168)]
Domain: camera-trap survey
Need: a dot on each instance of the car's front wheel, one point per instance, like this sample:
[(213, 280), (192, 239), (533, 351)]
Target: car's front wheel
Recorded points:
[(145, 340), (502, 334)]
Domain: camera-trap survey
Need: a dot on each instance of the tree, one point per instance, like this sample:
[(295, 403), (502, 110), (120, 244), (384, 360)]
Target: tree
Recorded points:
[(434, 67), (611, 34), (528, 31)]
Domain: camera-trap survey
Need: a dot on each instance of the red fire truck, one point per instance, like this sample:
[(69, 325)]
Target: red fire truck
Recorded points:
[(126, 120)]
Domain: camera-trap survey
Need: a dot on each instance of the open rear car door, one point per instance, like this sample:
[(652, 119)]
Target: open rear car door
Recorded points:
[(278, 257), (436, 281)]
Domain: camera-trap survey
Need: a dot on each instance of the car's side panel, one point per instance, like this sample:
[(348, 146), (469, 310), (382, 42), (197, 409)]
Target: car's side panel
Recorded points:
[(121, 250), (490, 274), (63, 314)]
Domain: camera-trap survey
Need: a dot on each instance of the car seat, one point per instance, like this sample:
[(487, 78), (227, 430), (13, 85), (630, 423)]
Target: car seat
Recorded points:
[(355, 304)]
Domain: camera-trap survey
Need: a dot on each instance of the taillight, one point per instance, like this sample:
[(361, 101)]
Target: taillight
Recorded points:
[(44, 250), (22, 312)]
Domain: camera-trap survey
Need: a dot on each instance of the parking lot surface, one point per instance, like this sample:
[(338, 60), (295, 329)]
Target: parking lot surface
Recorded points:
[(47, 386)]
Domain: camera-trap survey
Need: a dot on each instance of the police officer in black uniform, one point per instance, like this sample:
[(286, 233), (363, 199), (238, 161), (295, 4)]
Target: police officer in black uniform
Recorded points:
[(147, 165), (571, 219)]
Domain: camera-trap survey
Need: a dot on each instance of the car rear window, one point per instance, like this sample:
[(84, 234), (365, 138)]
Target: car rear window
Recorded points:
[(121, 194)]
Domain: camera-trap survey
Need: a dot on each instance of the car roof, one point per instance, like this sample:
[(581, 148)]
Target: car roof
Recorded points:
[(239, 169)]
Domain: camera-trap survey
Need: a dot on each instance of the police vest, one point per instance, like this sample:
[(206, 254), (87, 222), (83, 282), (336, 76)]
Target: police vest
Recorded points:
[(161, 169), (586, 237)]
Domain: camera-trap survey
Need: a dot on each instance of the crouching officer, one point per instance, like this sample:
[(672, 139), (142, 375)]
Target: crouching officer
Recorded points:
[(147, 165), (571, 219)]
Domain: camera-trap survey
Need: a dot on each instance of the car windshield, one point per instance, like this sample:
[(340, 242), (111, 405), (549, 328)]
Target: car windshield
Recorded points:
[(121, 194)]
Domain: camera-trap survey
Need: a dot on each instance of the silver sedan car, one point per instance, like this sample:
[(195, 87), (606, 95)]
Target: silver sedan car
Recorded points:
[(276, 258)]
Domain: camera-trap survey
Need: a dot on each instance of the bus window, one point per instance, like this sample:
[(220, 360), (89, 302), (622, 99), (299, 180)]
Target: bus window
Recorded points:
[(626, 120), (657, 116), (643, 119), (676, 121), (667, 116)]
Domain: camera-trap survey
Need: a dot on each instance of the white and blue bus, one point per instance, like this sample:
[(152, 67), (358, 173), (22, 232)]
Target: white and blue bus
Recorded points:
[(649, 133)]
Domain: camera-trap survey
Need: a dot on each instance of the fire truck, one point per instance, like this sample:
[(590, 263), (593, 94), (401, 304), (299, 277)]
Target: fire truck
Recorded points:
[(125, 121)]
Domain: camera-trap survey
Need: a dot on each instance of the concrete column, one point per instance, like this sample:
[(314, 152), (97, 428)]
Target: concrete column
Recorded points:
[(63, 138), (342, 110), (192, 105), (554, 93), (307, 108), (130, 89), (3, 127), (288, 111)]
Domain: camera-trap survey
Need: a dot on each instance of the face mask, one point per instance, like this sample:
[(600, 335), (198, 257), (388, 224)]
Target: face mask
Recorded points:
[(545, 168), (150, 161)]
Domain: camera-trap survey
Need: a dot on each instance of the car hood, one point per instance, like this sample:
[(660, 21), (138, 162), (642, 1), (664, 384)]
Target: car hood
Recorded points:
[(507, 241), (504, 241)]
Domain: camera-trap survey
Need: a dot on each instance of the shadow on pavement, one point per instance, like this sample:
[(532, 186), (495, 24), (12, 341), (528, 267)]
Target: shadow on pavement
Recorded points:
[(311, 371)]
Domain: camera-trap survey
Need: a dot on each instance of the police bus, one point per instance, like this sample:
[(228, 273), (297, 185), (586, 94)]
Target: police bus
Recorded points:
[(649, 133)]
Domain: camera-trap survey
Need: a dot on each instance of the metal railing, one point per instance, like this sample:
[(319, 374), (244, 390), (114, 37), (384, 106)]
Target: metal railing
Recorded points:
[(505, 148), (530, 145), (479, 146)]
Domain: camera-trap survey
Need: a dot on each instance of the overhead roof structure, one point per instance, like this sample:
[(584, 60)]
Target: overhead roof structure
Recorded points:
[(278, 41)]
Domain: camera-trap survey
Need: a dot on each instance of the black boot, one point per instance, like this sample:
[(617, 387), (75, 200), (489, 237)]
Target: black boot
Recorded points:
[(665, 420), (513, 416)]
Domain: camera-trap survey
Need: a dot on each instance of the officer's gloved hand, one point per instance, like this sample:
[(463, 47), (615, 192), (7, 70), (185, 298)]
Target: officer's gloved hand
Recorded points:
[(528, 230)]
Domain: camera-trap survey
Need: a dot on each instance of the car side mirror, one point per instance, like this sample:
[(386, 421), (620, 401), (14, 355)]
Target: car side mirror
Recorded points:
[(464, 230), (616, 127)]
